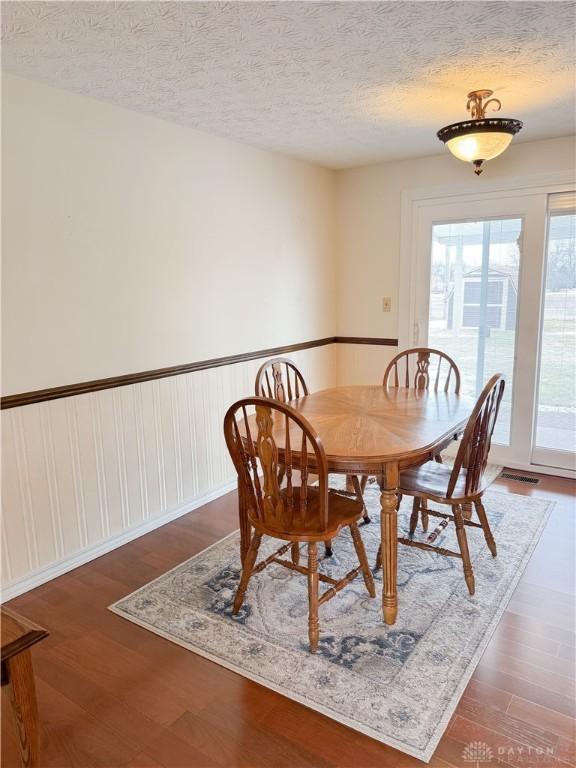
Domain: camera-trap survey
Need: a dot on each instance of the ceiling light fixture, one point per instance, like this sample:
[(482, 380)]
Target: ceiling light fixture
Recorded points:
[(480, 138)]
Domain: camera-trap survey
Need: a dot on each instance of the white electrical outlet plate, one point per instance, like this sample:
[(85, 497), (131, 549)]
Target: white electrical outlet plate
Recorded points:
[(386, 304)]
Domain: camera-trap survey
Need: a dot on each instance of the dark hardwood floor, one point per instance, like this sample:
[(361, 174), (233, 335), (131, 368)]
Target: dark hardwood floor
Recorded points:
[(113, 694)]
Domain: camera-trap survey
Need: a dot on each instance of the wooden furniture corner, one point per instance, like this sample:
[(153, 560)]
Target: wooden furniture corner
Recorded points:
[(18, 637)]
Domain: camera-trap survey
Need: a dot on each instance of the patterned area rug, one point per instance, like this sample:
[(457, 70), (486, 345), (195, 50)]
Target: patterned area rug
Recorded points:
[(397, 684)]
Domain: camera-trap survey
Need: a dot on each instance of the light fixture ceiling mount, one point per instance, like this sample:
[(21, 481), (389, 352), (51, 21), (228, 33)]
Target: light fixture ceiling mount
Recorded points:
[(480, 138)]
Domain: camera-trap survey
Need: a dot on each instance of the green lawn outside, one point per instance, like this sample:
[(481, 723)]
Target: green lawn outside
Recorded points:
[(558, 368)]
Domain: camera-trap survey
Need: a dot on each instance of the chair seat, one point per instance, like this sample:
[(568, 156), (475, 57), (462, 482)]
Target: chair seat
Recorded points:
[(431, 480), (343, 509)]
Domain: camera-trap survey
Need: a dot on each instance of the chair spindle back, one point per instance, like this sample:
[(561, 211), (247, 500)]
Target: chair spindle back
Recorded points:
[(277, 440), (423, 368), (280, 379), (475, 444)]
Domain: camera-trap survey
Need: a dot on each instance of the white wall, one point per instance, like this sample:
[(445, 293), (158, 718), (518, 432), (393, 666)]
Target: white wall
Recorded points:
[(368, 237), (131, 244)]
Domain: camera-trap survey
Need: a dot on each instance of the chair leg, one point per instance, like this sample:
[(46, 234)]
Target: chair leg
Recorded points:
[(438, 458), (313, 624), (328, 548), (363, 482), (378, 563), (357, 485), (295, 553), (424, 514), (481, 512), (414, 516), (247, 569), (467, 510), (463, 544), (362, 559)]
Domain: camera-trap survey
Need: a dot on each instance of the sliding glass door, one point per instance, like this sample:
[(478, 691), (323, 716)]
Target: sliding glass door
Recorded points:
[(555, 423), (495, 289), (473, 302)]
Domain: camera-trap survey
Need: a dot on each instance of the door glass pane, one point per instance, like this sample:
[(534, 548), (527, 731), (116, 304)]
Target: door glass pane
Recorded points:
[(473, 298), (556, 406)]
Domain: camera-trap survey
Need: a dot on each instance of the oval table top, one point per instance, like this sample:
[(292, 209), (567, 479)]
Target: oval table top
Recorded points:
[(363, 427)]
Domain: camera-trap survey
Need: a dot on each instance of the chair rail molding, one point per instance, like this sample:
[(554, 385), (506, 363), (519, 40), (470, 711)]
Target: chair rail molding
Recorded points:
[(112, 382)]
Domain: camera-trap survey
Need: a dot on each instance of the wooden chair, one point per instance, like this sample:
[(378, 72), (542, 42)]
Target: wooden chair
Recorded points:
[(462, 484), (281, 380), (296, 512), (421, 368)]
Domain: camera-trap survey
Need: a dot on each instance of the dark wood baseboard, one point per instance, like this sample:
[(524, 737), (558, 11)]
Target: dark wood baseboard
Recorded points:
[(82, 388)]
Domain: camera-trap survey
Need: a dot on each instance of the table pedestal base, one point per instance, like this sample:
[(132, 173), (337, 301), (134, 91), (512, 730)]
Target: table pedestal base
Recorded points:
[(388, 482)]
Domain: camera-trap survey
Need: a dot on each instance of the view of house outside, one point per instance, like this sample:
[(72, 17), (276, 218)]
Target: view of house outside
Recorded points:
[(473, 305)]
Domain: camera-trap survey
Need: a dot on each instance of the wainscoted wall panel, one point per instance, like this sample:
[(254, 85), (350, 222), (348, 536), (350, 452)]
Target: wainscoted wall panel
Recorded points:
[(362, 363), (84, 474)]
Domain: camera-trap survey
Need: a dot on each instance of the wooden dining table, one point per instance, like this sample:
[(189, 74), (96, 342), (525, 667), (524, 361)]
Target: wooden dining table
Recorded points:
[(375, 431)]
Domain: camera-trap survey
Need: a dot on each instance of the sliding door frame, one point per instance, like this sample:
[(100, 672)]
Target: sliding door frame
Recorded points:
[(523, 197)]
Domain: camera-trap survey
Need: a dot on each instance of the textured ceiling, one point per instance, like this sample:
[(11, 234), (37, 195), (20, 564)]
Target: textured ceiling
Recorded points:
[(337, 83)]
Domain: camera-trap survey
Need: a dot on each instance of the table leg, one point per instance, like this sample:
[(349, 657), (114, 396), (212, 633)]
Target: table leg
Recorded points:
[(19, 677), (389, 541), (244, 522)]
